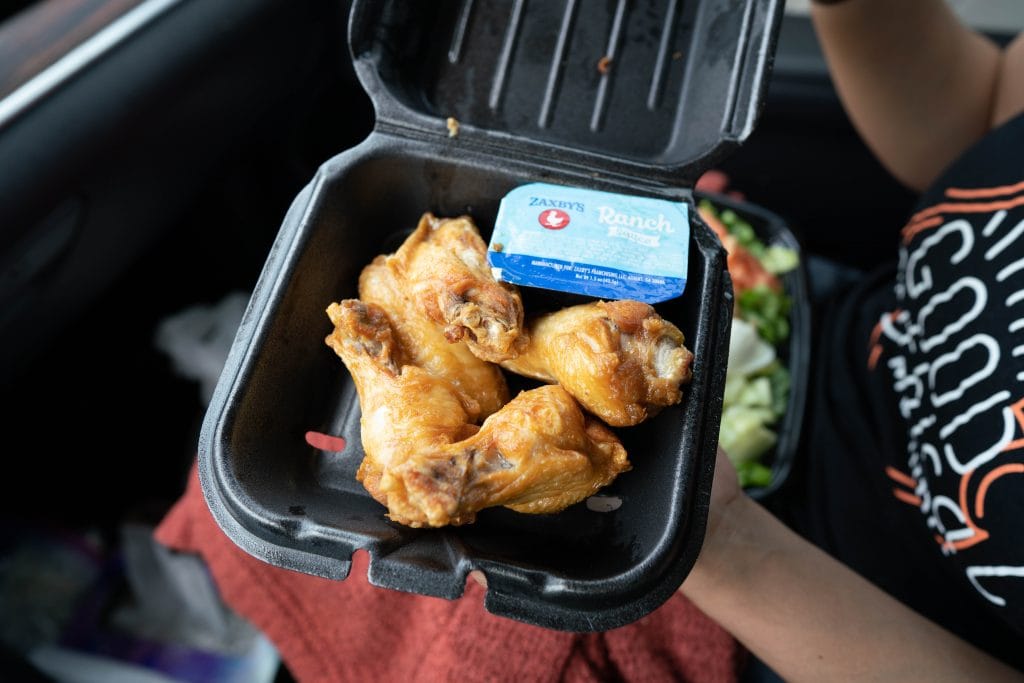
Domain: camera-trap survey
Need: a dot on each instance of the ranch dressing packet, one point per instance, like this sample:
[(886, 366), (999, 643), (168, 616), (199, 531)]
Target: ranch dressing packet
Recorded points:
[(599, 244)]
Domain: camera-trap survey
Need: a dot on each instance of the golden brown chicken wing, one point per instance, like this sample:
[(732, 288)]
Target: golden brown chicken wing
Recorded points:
[(404, 408), (430, 466), (425, 345), (444, 267), (538, 454), (621, 360)]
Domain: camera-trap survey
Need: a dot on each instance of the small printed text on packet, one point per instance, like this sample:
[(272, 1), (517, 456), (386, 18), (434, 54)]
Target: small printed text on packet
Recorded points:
[(592, 273)]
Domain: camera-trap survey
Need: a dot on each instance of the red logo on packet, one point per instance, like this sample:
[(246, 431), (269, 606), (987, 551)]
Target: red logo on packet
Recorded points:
[(553, 219)]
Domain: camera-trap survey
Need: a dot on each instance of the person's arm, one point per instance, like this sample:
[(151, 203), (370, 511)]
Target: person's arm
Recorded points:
[(809, 617), (1010, 90), (919, 85)]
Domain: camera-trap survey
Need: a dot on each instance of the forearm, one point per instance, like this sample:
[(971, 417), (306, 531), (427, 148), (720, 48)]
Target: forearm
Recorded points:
[(918, 85), (812, 619)]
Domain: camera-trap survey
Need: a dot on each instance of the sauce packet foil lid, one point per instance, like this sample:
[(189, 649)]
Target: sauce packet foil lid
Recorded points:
[(598, 244)]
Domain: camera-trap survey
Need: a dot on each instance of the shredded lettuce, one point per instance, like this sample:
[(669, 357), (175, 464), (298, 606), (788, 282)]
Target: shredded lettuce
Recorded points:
[(779, 380), (753, 473), (743, 232), (778, 260), (744, 433), (768, 311), (748, 352), (757, 394)]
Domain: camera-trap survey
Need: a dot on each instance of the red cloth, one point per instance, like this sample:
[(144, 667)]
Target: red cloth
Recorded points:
[(351, 631)]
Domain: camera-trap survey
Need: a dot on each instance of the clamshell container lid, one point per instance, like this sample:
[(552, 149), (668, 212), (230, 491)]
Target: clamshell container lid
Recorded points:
[(658, 90)]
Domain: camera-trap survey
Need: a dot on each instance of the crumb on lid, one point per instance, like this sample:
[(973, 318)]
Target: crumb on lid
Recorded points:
[(453, 126)]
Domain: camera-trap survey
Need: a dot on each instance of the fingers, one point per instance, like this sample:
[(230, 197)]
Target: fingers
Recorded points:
[(718, 183), (479, 577), (713, 181)]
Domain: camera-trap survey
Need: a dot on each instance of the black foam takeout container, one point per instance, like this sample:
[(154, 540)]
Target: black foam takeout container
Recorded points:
[(535, 101)]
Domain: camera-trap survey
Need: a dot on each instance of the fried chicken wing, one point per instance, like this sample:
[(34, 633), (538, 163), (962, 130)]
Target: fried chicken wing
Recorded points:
[(430, 466), (425, 345), (621, 360), (538, 454), (444, 267), (403, 407)]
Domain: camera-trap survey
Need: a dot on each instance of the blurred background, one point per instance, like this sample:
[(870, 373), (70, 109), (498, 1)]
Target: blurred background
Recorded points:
[(148, 152)]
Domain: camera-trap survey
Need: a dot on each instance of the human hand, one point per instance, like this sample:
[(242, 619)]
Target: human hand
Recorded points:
[(726, 486), (725, 490), (725, 494), (716, 182)]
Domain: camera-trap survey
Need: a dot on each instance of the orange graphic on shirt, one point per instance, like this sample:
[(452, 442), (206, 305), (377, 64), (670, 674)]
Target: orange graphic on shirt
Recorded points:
[(980, 192), (1018, 412), (907, 481), (979, 500), (977, 533), (933, 216), (969, 512), (874, 341), (1011, 468)]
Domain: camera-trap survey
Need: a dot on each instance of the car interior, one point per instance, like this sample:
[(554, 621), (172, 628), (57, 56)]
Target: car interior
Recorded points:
[(149, 150)]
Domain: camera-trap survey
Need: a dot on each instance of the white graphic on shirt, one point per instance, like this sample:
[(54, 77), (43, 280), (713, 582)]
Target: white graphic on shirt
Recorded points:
[(968, 285), (939, 360), (919, 280), (973, 573), (982, 457), (1009, 270), (1000, 246), (1015, 298), (950, 362), (994, 223)]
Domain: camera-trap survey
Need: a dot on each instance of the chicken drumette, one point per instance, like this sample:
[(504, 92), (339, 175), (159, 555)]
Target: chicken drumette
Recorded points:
[(621, 360), (430, 466)]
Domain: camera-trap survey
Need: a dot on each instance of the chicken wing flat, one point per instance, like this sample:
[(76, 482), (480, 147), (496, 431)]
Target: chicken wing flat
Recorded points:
[(425, 346), (430, 466), (621, 360), (443, 265)]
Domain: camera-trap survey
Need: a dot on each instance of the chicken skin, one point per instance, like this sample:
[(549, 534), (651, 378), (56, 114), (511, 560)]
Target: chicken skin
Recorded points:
[(431, 466), (425, 345), (538, 454), (621, 360), (404, 408), (443, 266)]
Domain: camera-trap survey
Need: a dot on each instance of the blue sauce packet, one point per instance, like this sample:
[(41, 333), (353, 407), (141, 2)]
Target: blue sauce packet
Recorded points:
[(599, 244)]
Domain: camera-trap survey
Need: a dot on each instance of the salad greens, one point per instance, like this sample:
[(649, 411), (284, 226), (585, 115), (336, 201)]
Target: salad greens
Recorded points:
[(768, 310), (778, 260), (757, 383)]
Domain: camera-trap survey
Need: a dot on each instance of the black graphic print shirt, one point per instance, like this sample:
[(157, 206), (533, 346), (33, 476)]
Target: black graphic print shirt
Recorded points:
[(916, 441)]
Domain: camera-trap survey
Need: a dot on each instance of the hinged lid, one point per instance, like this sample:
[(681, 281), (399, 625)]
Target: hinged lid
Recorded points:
[(654, 89)]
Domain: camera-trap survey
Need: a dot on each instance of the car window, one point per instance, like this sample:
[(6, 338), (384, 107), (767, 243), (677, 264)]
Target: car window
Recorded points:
[(43, 32)]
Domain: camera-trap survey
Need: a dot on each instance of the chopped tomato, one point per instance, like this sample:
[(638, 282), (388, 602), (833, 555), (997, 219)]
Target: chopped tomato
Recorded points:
[(744, 268)]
